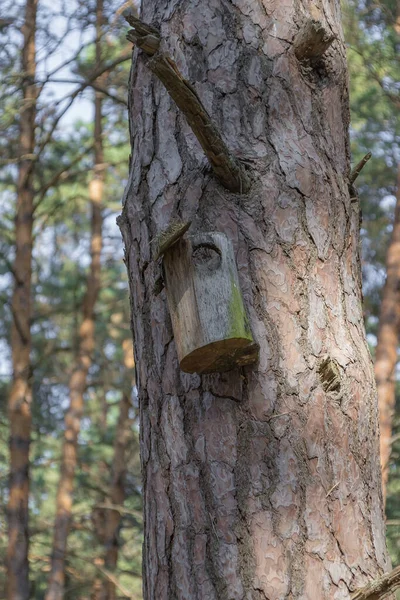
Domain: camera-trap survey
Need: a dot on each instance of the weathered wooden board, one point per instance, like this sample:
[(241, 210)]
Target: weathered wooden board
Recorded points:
[(210, 324)]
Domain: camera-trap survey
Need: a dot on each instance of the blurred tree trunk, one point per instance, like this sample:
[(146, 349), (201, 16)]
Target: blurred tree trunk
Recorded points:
[(95, 593), (20, 399), (108, 521), (263, 482), (389, 328), (117, 497), (387, 343), (78, 380), (109, 526)]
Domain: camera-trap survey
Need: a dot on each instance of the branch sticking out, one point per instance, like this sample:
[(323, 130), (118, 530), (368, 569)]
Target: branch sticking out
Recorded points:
[(359, 167), (380, 588), (170, 236), (225, 165), (143, 36), (330, 375), (141, 29), (312, 40)]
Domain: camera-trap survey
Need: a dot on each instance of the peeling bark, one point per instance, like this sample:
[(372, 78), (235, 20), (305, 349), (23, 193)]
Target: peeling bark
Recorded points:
[(20, 399), (387, 343), (78, 379), (262, 482)]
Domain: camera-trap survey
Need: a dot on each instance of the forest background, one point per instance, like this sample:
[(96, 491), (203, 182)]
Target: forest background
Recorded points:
[(82, 70)]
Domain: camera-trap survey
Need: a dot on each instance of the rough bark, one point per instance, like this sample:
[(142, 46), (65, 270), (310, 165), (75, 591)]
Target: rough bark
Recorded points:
[(387, 343), (263, 482), (20, 399), (226, 166), (78, 379)]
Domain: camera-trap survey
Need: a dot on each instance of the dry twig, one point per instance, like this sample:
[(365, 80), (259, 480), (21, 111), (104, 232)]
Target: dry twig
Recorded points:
[(381, 588), (359, 167)]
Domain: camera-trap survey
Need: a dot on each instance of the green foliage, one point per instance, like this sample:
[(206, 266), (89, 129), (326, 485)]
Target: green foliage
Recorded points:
[(61, 259), (373, 52)]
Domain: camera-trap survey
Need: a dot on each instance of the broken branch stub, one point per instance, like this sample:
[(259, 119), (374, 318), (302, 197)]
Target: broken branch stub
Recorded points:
[(381, 588), (170, 236), (359, 167), (312, 40), (228, 169), (148, 43), (330, 375), (141, 28)]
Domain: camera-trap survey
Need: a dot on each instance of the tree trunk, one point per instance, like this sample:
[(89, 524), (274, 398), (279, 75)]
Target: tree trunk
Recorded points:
[(123, 435), (78, 380), (387, 343), (112, 518), (20, 399), (262, 482)]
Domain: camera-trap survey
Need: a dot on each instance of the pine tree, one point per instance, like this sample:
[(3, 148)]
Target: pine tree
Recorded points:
[(78, 380), (20, 398), (263, 480)]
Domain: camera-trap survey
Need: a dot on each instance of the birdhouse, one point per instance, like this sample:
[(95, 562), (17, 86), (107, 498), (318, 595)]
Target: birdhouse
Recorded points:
[(210, 324)]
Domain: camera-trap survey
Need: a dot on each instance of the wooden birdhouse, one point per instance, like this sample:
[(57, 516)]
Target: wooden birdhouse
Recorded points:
[(210, 324)]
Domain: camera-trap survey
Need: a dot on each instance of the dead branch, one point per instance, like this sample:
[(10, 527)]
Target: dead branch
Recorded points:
[(72, 97), (59, 175), (225, 165), (359, 167), (381, 588)]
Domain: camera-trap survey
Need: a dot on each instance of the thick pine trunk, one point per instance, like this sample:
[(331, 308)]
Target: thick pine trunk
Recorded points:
[(20, 399), (78, 380), (262, 482), (388, 339)]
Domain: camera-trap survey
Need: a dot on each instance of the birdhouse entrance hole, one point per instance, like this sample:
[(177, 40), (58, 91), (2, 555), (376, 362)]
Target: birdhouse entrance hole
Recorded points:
[(206, 256)]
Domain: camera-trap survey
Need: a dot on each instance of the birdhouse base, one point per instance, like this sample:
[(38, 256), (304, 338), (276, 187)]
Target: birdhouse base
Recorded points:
[(220, 356)]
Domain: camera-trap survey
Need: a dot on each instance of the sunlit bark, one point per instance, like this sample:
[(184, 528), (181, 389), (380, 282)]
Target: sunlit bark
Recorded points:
[(78, 380), (263, 482), (19, 404), (387, 343)]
